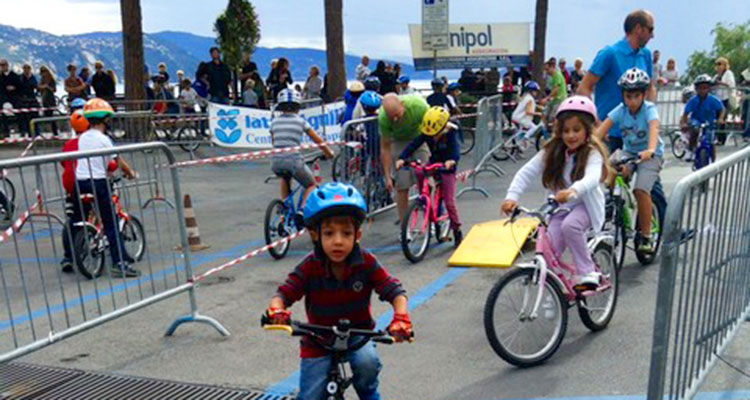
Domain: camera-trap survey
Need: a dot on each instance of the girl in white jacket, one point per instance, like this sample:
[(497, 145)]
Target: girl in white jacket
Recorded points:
[(572, 166)]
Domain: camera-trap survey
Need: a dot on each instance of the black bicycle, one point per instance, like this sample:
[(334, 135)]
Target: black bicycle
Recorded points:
[(335, 339), (7, 202)]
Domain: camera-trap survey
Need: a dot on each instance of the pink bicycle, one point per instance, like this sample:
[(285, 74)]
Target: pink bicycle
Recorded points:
[(426, 215), (526, 313)]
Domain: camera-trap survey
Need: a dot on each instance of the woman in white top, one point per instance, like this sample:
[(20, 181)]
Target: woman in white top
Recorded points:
[(724, 85), (671, 75), (526, 110)]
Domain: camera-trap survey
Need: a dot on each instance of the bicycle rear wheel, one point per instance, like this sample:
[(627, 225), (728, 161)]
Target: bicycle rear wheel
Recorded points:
[(275, 228), (88, 252), (515, 336), (415, 232), (505, 151), (134, 238), (597, 310), (619, 232), (189, 138), (467, 144)]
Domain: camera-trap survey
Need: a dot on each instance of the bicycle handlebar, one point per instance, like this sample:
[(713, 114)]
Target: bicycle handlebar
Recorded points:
[(434, 167), (551, 207), (341, 330)]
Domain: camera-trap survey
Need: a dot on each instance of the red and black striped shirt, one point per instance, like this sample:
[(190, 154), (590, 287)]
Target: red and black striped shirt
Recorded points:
[(327, 299)]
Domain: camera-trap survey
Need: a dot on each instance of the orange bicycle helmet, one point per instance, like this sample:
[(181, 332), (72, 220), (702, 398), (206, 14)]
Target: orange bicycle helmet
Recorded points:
[(97, 108), (78, 122)]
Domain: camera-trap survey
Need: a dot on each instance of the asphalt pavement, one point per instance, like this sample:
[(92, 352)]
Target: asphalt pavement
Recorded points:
[(451, 358)]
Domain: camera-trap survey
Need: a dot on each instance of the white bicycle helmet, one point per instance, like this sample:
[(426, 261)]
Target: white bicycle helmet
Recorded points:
[(634, 79), (701, 79), (289, 96)]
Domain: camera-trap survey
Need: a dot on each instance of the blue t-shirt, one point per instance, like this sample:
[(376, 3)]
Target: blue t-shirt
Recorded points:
[(634, 128), (609, 65), (704, 111)]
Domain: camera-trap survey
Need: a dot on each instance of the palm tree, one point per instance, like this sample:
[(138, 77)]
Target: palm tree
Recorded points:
[(540, 37), (335, 49), (132, 43)]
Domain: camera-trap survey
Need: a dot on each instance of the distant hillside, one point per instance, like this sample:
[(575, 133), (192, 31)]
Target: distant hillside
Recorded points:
[(179, 50)]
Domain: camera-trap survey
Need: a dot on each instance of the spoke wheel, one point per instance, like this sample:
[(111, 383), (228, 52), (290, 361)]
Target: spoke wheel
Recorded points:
[(679, 145), (134, 238), (596, 311), (89, 251), (515, 336), (189, 138), (276, 227), (415, 232)]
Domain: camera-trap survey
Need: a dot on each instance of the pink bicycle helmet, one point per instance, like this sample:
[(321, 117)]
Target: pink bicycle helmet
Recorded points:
[(580, 104)]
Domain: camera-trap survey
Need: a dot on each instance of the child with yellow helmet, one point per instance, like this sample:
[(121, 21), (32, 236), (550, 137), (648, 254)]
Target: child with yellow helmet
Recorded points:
[(442, 137)]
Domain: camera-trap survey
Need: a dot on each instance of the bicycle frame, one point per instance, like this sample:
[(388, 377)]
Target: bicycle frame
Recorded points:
[(706, 144), (622, 187), (431, 203)]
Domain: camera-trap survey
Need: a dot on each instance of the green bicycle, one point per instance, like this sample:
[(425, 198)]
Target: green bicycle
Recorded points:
[(621, 210)]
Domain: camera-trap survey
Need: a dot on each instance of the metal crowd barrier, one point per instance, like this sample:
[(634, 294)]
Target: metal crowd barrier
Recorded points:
[(488, 137), (39, 303), (704, 281)]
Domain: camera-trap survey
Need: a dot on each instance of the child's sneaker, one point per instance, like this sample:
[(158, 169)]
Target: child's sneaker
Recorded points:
[(458, 237), (646, 245), (589, 281)]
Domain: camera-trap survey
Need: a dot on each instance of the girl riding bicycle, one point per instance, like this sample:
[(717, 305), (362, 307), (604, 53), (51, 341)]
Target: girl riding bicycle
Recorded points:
[(337, 280), (571, 164), (442, 137), (638, 121), (526, 110)]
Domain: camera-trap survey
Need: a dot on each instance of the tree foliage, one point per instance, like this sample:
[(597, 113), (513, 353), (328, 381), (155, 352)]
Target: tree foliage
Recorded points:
[(731, 41), (238, 31)]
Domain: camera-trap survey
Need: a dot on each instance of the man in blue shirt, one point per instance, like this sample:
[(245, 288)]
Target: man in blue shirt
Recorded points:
[(702, 108), (612, 61)]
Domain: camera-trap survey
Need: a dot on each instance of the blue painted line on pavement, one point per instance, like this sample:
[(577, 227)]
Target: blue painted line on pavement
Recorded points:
[(198, 260), (290, 384)]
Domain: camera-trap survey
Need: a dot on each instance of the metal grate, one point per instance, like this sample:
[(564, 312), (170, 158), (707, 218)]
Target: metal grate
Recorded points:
[(19, 381)]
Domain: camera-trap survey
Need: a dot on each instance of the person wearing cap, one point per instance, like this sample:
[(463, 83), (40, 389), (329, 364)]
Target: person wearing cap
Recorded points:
[(403, 86), (92, 177), (351, 98)]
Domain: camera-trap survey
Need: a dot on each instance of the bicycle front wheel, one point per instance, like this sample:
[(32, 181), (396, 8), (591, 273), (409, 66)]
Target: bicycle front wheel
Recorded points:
[(415, 232), (275, 228), (597, 309), (516, 336), (134, 238), (7, 187), (189, 138), (88, 252), (620, 233)]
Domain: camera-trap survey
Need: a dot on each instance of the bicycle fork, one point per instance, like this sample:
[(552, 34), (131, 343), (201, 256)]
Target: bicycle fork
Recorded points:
[(538, 278)]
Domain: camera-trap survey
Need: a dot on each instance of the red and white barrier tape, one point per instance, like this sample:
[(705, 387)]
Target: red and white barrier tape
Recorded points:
[(255, 155), (26, 150), (16, 226), (13, 111), (159, 120), (245, 257), (462, 116), (37, 139)]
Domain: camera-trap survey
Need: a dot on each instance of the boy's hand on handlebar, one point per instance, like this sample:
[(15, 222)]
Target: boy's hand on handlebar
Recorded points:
[(400, 164), (508, 206), (279, 316), (646, 155), (566, 195), (400, 328), (450, 164)]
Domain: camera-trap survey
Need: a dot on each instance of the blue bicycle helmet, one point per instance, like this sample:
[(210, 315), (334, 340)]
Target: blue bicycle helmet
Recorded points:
[(77, 104), (334, 199), (370, 99), (454, 86), (404, 79), (372, 83), (530, 85)]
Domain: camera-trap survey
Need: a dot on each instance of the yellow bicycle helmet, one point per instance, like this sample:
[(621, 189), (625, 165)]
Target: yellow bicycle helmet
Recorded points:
[(434, 121), (97, 108)]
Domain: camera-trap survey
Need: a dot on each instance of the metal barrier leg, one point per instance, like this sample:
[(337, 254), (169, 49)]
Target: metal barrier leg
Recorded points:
[(473, 188), (194, 316)]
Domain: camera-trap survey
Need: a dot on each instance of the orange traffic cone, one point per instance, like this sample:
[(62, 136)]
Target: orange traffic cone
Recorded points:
[(191, 225)]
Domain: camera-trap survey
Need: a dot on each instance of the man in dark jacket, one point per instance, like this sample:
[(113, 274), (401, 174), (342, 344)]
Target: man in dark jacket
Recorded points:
[(104, 86), (10, 85), (219, 78)]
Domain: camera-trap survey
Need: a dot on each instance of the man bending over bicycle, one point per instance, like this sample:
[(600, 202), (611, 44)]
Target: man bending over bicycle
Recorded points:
[(702, 108), (638, 120), (441, 136), (287, 130), (91, 177), (337, 280)]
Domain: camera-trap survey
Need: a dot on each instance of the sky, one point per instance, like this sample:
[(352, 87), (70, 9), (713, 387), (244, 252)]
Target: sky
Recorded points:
[(575, 28)]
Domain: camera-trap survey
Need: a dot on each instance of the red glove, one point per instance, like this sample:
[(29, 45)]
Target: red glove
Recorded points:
[(400, 328), (279, 316)]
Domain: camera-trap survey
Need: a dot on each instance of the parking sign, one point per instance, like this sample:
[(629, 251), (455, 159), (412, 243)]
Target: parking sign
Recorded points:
[(435, 25)]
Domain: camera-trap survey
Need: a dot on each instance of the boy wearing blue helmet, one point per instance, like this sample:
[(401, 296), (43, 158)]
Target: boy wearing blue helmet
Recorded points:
[(337, 280)]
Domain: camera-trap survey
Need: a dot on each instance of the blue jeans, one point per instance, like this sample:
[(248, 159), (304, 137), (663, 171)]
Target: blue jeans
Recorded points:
[(365, 367)]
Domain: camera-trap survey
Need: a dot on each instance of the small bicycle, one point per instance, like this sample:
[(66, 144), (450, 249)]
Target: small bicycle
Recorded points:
[(526, 313), (7, 202), (518, 142), (283, 219), (704, 154), (623, 221), (426, 214), (90, 243), (680, 143), (336, 340)]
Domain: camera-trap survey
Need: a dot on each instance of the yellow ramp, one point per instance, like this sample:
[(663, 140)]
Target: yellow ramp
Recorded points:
[(493, 244)]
